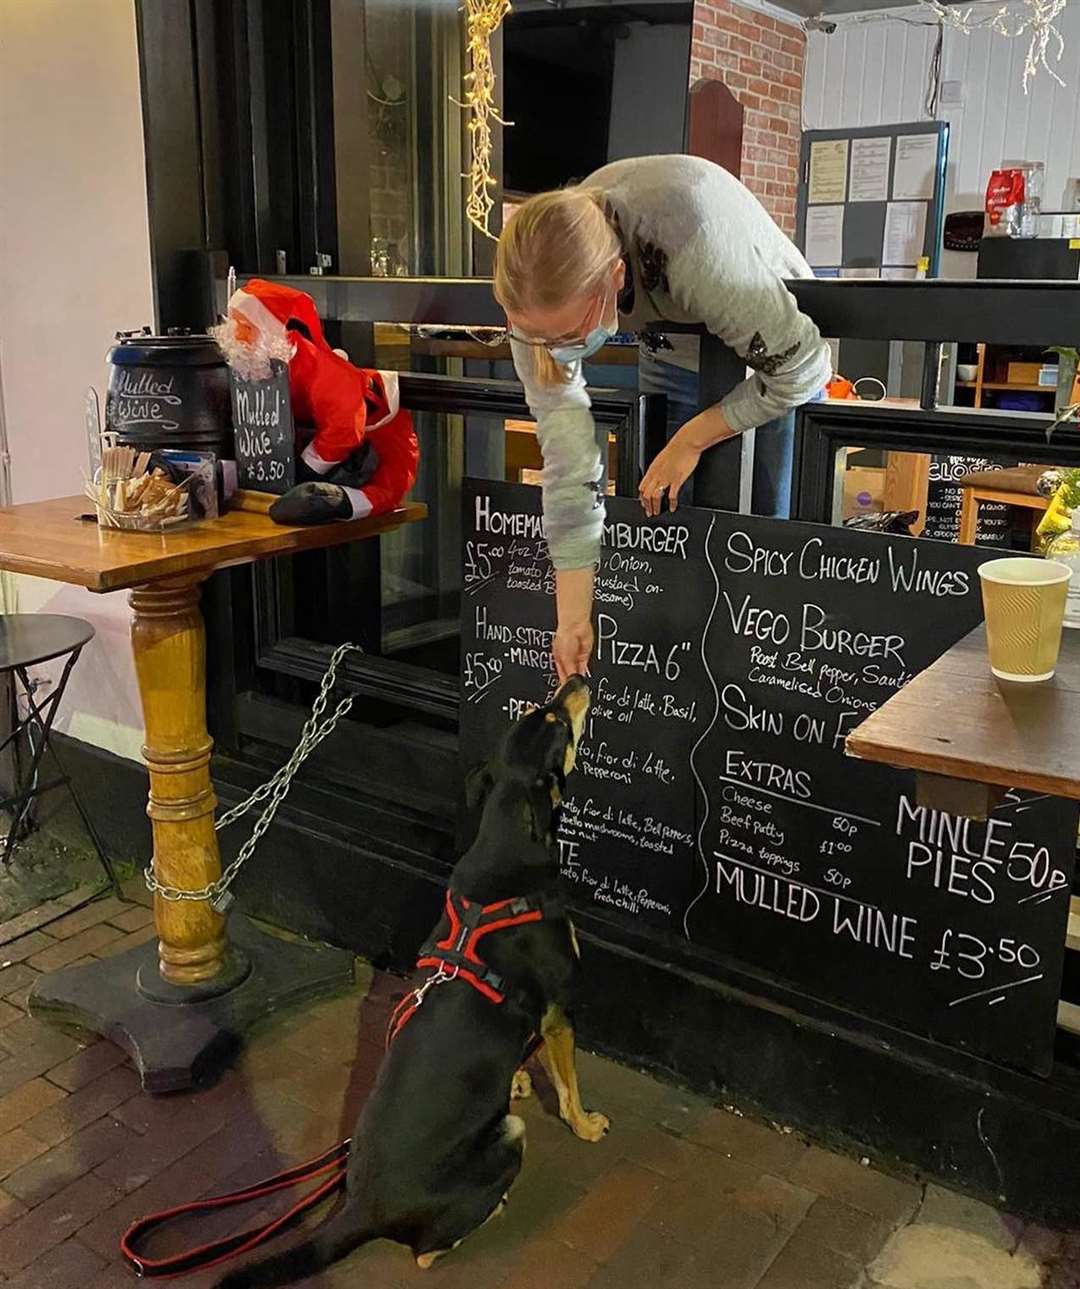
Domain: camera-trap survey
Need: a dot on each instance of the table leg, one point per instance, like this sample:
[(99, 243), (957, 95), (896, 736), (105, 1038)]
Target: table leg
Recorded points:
[(180, 1006), (168, 638)]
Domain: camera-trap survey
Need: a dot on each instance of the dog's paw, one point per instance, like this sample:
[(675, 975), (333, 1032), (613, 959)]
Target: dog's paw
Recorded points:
[(591, 1126), (521, 1086)]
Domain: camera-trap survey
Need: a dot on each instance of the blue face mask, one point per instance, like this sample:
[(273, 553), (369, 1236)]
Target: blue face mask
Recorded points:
[(576, 353), (579, 350)]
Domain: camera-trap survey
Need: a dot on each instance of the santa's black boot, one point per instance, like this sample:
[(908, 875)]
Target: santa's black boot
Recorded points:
[(312, 503)]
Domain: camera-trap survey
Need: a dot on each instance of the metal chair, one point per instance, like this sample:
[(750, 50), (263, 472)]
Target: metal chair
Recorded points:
[(27, 640)]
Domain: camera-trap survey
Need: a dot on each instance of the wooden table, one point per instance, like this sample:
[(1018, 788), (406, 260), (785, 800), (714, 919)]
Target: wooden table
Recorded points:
[(956, 721), (193, 961), (969, 737)]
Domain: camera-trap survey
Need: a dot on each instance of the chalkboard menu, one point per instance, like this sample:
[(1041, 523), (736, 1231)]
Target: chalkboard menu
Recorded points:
[(263, 424), (943, 501), (713, 800)]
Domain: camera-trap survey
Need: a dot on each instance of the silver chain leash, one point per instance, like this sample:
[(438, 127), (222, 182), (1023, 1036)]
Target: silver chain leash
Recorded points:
[(276, 788)]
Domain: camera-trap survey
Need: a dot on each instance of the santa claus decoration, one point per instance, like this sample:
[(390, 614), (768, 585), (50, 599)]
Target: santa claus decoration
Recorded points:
[(356, 449)]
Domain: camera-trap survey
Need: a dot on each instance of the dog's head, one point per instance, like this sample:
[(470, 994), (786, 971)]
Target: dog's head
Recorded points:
[(535, 756)]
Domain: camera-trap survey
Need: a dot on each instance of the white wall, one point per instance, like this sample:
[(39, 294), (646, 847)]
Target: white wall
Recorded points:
[(74, 268), (875, 73), (645, 122)]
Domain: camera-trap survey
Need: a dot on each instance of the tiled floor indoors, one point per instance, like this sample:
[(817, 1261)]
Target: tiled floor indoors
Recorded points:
[(681, 1195)]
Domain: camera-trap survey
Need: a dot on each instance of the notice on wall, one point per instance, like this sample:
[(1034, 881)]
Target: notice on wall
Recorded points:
[(824, 236), (905, 233), (712, 800), (870, 160), (828, 171), (916, 167)]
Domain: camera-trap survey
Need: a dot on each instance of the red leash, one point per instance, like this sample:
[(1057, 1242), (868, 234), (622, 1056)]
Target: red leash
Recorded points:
[(331, 1165)]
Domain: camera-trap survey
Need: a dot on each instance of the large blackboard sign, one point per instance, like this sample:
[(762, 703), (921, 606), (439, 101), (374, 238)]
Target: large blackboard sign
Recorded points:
[(713, 799), (263, 424)]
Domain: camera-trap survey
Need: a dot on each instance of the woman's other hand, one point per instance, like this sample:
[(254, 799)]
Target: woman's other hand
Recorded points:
[(672, 467)]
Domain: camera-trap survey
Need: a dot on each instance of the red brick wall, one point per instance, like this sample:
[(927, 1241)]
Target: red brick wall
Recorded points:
[(761, 61)]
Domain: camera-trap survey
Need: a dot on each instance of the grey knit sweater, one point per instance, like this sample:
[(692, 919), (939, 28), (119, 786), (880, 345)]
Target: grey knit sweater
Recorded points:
[(700, 248)]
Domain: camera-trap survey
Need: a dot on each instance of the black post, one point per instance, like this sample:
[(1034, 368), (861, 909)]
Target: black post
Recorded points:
[(722, 479), (931, 374)]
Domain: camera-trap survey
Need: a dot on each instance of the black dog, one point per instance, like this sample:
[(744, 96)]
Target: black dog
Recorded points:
[(435, 1151)]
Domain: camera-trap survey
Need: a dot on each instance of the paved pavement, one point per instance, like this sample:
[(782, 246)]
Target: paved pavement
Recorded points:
[(683, 1194)]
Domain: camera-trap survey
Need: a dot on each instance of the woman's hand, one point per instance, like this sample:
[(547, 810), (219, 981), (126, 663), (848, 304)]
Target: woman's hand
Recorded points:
[(571, 649), (672, 467), (573, 644)]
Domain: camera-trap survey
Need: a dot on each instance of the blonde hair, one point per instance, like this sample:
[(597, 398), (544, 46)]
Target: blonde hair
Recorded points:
[(555, 246)]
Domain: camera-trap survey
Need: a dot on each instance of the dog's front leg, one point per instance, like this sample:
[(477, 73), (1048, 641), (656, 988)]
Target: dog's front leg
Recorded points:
[(557, 1056)]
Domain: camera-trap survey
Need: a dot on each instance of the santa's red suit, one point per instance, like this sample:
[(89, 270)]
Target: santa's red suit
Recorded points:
[(355, 413)]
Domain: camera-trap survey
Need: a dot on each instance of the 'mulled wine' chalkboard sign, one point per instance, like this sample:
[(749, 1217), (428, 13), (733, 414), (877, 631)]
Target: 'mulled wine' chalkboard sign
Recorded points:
[(263, 425), (713, 799)]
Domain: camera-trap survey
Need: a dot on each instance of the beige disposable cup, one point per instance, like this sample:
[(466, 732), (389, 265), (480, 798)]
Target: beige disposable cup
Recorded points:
[(1024, 601)]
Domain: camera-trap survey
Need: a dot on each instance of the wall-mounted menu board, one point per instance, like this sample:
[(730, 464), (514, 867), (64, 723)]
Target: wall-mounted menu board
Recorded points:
[(712, 798)]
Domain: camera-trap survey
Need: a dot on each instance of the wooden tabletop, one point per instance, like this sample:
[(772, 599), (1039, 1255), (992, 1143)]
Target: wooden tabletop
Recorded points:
[(956, 719), (47, 539)]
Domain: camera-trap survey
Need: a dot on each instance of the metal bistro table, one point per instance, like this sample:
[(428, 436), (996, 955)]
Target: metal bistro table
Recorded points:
[(180, 1005)]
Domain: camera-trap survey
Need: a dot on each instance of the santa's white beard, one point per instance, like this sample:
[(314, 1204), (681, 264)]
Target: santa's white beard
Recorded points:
[(251, 360)]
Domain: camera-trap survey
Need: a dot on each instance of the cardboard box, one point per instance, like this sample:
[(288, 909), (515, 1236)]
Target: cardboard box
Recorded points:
[(864, 491), (1023, 373)]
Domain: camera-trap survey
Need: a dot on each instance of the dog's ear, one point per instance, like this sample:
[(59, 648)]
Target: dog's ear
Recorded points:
[(478, 783)]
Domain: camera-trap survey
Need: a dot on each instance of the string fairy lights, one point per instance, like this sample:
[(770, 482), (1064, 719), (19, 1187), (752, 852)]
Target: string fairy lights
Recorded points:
[(482, 18), (1036, 19)]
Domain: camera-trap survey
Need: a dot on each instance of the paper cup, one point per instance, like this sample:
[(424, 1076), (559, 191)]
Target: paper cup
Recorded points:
[(1024, 601)]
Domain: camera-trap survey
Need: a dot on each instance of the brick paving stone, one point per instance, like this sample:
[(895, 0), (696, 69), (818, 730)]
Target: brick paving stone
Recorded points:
[(133, 917), (20, 997), (10, 1209), (802, 1264), (144, 1157), (610, 1210), (856, 1184), (102, 910), (14, 978), (126, 942), (39, 1230), (543, 1264), (29, 921), (197, 1173), (727, 1188), (26, 1100), (734, 1251), (51, 1171), (79, 894), (845, 1230), (85, 1066), (66, 1266), (742, 1138), (92, 1101), (21, 949), (8, 1015), (65, 953), (652, 1146), (30, 1034), (646, 1259), (17, 1148)]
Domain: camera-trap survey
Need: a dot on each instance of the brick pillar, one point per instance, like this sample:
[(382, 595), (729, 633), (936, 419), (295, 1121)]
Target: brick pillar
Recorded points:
[(760, 59)]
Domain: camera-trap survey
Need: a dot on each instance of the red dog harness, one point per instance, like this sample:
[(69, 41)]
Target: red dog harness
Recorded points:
[(455, 956)]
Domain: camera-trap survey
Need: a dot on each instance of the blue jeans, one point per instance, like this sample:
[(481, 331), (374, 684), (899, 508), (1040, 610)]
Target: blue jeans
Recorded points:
[(774, 442)]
